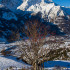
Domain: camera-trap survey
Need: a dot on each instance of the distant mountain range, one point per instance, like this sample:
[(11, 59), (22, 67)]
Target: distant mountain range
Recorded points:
[(46, 7)]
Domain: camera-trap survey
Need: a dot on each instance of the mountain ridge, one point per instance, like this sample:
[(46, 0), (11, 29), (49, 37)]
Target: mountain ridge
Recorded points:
[(46, 7)]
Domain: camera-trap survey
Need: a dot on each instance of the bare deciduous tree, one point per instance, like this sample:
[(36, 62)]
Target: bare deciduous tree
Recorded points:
[(33, 50)]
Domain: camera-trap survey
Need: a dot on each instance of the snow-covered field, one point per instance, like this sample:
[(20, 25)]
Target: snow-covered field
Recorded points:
[(8, 61)]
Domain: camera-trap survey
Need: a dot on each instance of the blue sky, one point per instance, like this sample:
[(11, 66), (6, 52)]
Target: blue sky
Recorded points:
[(63, 2)]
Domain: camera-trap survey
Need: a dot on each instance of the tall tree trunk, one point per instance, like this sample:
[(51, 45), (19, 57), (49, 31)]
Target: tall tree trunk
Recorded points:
[(36, 67), (43, 65)]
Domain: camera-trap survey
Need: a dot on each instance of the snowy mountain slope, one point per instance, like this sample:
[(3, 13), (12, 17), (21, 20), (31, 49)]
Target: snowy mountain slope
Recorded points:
[(11, 4), (9, 22), (5, 13), (46, 7), (63, 23)]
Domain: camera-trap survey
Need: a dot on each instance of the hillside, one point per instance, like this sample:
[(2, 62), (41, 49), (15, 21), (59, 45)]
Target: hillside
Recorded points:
[(16, 47)]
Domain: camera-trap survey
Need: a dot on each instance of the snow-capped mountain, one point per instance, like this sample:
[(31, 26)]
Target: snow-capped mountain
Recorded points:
[(46, 7)]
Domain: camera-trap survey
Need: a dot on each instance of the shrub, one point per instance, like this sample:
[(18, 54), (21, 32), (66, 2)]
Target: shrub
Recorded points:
[(5, 52)]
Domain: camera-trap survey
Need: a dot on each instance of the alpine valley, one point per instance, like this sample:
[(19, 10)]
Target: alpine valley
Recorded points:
[(14, 14)]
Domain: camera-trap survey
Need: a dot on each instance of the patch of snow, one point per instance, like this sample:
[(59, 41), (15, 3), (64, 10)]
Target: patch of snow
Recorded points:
[(1, 5), (6, 62)]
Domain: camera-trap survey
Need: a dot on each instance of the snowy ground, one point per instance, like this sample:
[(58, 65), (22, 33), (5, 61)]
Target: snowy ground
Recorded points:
[(8, 61)]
